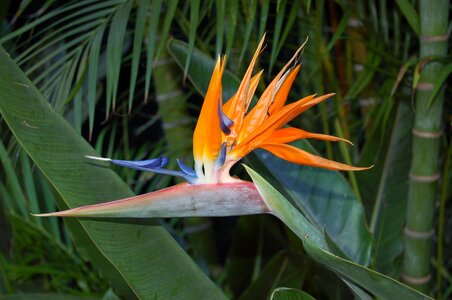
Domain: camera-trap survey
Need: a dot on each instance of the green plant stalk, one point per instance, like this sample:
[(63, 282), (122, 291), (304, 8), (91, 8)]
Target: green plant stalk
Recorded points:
[(177, 126), (424, 164), (441, 222)]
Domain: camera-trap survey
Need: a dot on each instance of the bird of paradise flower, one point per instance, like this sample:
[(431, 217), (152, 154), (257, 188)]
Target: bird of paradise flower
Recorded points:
[(224, 134)]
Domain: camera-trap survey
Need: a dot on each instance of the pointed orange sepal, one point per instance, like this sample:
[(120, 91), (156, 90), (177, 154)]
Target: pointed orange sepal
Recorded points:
[(240, 101), (207, 137), (298, 156), (287, 135)]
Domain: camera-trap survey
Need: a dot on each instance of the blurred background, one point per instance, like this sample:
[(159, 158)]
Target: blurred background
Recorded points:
[(129, 76)]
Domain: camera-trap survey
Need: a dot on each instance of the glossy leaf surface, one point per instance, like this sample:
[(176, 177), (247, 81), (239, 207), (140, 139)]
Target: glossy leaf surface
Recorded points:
[(140, 258), (315, 245)]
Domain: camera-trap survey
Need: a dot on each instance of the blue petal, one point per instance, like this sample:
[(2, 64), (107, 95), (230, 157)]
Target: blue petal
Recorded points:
[(186, 169), (155, 165), (225, 122), (148, 164), (222, 156)]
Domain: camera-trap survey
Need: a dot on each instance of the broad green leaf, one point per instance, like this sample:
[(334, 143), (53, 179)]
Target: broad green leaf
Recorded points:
[(384, 188), (284, 293), (140, 258), (325, 197), (35, 296), (315, 245)]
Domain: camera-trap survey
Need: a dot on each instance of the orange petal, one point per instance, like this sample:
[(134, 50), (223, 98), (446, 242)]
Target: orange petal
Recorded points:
[(277, 91), (253, 85), (236, 110), (287, 135), (283, 91), (207, 136), (276, 121), (301, 157)]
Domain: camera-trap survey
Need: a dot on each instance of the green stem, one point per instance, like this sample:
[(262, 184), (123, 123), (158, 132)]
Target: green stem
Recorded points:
[(424, 164), (442, 209)]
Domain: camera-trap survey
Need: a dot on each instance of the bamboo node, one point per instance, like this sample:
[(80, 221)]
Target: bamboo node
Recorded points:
[(418, 234), (366, 102), (170, 95), (424, 178), (416, 280), (358, 68), (178, 123), (425, 86), (434, 38), (354, 22), (163, 61), (427, 134)]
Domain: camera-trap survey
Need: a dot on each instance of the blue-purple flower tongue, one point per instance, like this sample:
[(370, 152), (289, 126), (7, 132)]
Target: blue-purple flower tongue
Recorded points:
[(186, 169), (225, 122), (146, 165), (155, 165), (222, 156)]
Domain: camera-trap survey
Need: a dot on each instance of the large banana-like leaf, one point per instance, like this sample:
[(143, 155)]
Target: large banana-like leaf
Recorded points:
[(324, 196), (385, 187), (315, 245), (140, 258)]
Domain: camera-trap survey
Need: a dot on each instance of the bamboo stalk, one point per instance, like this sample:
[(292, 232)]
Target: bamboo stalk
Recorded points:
[(424, 174)]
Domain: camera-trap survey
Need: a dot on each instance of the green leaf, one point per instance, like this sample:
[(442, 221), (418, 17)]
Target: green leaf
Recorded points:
[(200, 71), (93, 65), (194, 22), (315, 245), (169, 16), (284, 269), (28, 296), (256, 240), (265, 7), (325, 197), (249, 27), (140, 258), (151, 36), (440, 79), (410, 14), (138, 37), (284, 293), (114, 51), (385, 186), (219, 33)]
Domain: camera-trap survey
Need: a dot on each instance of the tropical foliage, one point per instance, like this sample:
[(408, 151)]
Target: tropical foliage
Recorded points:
[(126, 80)]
